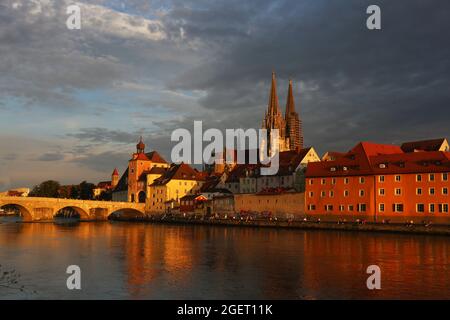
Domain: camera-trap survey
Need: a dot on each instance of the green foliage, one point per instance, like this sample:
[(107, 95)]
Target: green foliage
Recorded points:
[(105, 195), (47, 189), (86, 190)]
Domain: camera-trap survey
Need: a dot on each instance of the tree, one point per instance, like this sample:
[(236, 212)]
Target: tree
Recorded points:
[(75, 192), (105, 195), (47, 189), (86, 190)]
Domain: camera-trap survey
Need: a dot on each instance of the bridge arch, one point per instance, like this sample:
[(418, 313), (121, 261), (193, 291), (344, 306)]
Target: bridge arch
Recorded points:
[(125, 213), (25, 212), (84, 215)]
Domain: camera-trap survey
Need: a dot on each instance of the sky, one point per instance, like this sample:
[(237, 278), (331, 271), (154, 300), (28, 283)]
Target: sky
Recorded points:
[(73, 103)]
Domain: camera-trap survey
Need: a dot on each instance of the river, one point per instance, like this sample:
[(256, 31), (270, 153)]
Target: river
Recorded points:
[(144, 261)]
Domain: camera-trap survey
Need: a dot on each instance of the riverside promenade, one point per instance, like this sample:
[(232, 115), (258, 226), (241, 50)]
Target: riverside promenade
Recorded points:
[(429, 229)]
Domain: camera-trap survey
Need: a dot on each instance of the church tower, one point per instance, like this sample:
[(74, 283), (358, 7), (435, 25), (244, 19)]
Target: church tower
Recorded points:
[(274, 118), (114, 178), (294, 130)]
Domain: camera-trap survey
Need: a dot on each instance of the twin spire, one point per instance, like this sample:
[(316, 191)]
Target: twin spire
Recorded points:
[(289, 126), (273, 99)]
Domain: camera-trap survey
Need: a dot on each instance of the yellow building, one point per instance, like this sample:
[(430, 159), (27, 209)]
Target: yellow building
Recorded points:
[(176, 182)]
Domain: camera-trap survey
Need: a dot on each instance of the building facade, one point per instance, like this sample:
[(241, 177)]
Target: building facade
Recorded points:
[(379, 183), (176, 182)]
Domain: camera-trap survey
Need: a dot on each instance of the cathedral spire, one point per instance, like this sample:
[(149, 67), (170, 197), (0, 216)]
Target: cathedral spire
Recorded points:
[(290, 104), (273, 98)]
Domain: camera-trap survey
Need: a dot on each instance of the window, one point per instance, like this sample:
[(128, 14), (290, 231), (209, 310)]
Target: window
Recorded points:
[(322, 194), (362, 180), (311, 194), (431, 208), (445, 191), (431, 177), (398, 178), (398, 191), (341, 208), (345, 180), (323, 181), (381, 207), (381, 191), (346, 193), (418, 177), (361, 207), (333, 181), (361, 193), (431, 190), (311, 181), (381, 179), (328, 207), (443, 208), (331, 194), (419, 191), (350, 208), (420, 207), (397, 207), (311, 207), (445, 176)]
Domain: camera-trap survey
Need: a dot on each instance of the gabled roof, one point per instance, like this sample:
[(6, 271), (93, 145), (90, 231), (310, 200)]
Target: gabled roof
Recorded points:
[(180, 171), (155, 157), (424, 145), (151, 156)]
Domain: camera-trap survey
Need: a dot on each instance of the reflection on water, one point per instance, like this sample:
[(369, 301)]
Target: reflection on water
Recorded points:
[(142, 261)]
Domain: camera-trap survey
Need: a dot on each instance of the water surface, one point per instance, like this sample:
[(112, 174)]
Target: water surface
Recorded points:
[(144, 261)]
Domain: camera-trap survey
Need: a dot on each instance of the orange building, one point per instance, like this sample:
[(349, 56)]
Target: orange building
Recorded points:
[(139, 166), (376, 182)]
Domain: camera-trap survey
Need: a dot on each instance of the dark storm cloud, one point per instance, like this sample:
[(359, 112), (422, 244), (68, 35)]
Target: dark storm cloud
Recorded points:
[(387, 85)]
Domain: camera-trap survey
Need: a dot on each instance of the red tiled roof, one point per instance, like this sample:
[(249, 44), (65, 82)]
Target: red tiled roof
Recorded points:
[(180, 171), (424, 145), (365, 159), (104, 184), (154, 170), (415, 162), (140, 156), (155, 157)]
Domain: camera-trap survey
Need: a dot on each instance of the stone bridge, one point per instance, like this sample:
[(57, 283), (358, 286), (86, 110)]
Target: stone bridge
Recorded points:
[(37, 209)]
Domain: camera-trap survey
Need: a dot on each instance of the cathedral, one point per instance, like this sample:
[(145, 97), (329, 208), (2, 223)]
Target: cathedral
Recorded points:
[(290, 126)]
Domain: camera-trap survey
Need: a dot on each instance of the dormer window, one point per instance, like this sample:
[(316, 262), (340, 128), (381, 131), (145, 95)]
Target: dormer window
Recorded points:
[(382, 165), (333, 169), (344, 168)]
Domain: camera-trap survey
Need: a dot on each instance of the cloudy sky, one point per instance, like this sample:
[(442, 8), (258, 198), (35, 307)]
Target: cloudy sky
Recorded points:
[(74, 102)]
